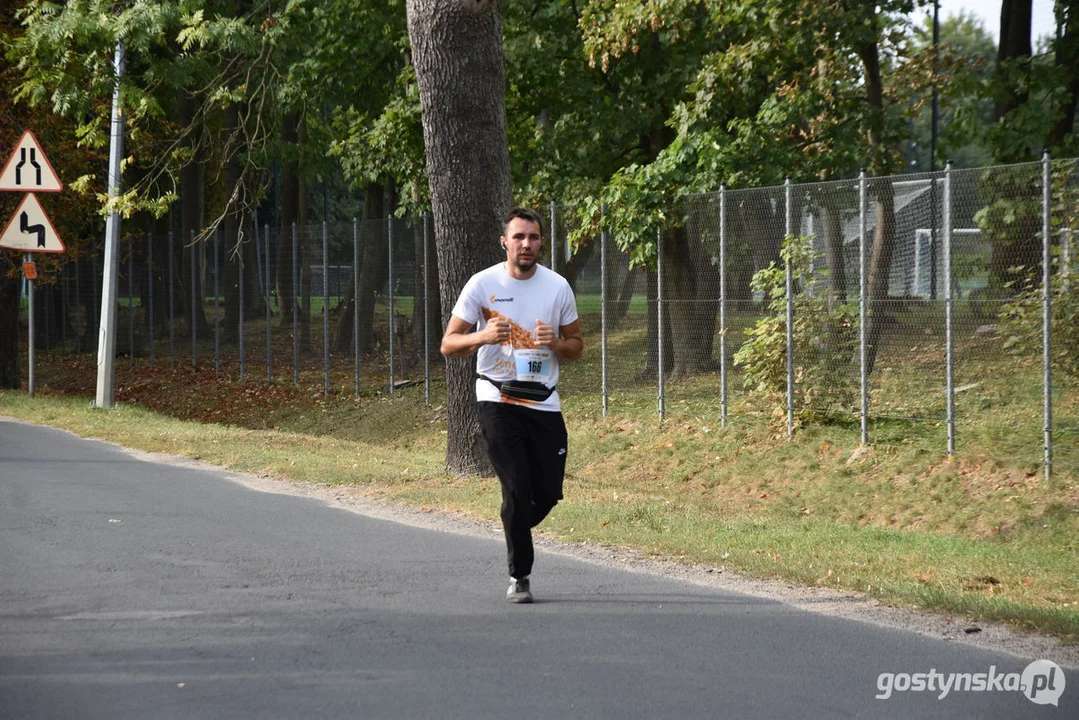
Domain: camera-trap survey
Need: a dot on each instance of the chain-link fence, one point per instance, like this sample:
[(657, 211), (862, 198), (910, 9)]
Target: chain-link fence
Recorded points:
[(938, 309)]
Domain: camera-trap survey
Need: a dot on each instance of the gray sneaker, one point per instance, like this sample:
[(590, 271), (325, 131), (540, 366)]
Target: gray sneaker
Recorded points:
[(519, 591)]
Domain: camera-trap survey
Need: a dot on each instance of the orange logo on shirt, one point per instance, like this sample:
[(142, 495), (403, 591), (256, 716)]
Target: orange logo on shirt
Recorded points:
[(520, 338)]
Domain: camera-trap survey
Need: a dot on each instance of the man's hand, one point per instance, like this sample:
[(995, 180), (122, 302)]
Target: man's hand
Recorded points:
[(566, 343), (497, 330), (544, 334), (459, 341)]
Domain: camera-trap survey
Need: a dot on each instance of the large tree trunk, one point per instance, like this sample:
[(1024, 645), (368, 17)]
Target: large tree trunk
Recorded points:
[(691, 294), (740, 261), (457, 51), (832, 233), (625, 297), (762, 216), (341, 343), (879, 270), (884, 234), (1015, 21), (579, 260), (373, 272)]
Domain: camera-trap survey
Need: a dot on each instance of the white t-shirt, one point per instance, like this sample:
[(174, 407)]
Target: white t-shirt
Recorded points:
[(545, 296)]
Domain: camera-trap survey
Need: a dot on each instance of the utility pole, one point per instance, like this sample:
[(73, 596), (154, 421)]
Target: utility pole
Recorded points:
[(106, 339)]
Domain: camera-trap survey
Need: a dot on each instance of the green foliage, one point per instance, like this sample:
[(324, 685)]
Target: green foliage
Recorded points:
[(961, 68), (756, 90), (1022, 321), (386, 143), (824, 340), (1021, 134), (65, 55), (1022, 318)]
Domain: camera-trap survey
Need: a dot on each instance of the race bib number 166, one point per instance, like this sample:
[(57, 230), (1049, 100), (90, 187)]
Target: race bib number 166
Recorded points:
[(534, 365)]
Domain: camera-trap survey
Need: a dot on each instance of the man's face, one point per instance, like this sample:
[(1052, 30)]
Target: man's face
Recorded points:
[(523, 243)]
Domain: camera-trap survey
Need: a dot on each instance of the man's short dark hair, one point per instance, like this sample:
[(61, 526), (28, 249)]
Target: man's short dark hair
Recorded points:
[(523, 214)]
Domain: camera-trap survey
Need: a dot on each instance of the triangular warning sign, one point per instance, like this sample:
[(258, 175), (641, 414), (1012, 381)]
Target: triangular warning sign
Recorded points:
[(28, 170), (30, 229)]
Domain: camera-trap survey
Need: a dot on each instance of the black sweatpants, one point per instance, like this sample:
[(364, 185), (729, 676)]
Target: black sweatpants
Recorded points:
[(528, 450)]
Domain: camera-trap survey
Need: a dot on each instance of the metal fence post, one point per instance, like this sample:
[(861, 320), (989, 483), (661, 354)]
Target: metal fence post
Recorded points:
[(326, 306), (64, 303), (131, 303), (95, 291), (391, 332), (554, 238), (603, 310), (194, 303), (933, 237), (949, 303), (659, 320), (1047, 309), (240, 274), (295, 306), (172, 305), (722, 305), (863, 314), (788, 229), (79, 301), (356, 302), (426, 316), (269, 314), (258, 247), (217, 300), (150, 295), (45, 293)]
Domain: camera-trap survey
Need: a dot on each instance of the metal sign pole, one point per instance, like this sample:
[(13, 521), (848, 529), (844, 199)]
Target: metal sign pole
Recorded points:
[(30, 323)]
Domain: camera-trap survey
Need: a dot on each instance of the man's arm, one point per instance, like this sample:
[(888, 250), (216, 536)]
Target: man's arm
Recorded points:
[(567, 345), (459, 342)]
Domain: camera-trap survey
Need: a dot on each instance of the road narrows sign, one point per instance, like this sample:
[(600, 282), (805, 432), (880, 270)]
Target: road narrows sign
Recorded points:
[(30, 229), (28, 169)]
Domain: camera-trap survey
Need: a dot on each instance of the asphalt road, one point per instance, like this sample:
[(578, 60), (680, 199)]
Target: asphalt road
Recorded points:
[(135, 589)]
